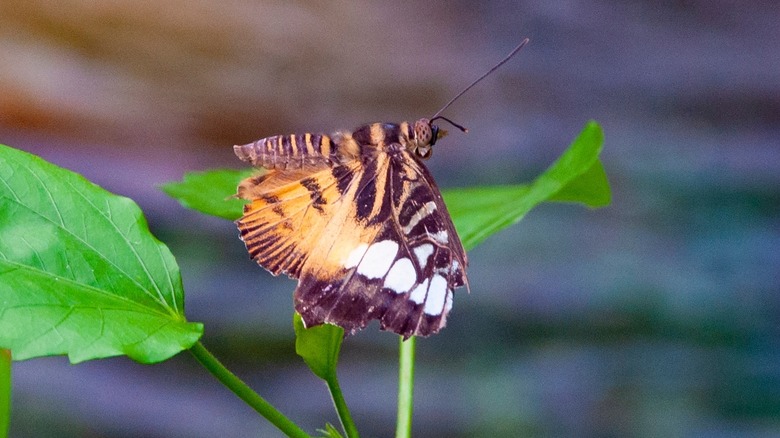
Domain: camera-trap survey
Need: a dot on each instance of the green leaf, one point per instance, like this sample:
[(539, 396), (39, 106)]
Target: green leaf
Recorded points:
[(478, 212), (80, 273), (210, 192), (577, 176), (590, 188), (318, 346)]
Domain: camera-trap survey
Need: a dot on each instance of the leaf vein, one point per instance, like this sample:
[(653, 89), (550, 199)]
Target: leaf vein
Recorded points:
[(107, 215)]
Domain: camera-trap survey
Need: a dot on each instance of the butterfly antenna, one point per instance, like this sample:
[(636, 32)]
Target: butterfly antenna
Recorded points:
[(503, 61)]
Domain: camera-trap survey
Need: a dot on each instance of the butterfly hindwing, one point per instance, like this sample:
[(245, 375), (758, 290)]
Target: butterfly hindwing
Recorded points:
[(405, 274)]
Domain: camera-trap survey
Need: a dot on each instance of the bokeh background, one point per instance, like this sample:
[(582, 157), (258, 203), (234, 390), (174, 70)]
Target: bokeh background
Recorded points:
[(657, 316)]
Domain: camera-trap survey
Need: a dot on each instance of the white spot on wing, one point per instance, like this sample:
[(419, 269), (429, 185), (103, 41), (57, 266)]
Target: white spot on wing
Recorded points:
[(422, 253), (425, 210), (355, 256), (378, 259), (418, 294), (448, 302), (401, 276), (437, 294), (441, 237)]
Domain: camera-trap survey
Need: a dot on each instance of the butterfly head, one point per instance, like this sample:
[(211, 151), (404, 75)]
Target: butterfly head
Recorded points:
[(426, 133), (425, 136)]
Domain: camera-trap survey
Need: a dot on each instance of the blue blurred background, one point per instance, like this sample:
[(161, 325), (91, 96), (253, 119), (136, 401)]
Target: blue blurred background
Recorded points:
[(657, 316)]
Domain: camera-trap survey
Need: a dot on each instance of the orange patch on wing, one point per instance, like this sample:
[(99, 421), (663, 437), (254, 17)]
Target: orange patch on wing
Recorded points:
[(381, 184), (298, 219)]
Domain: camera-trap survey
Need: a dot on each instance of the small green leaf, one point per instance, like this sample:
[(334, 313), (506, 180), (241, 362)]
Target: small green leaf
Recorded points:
[(210, 192), (590, 188), (318, 346), (80, 273), (329, 432), (577, 176)]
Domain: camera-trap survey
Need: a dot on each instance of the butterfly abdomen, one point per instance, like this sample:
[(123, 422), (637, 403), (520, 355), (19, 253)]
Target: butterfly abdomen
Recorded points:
[(297, 151), (287, 152)]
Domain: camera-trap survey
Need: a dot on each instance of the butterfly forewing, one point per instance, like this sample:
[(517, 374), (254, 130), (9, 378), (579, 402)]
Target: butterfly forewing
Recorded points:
[(364, 228)]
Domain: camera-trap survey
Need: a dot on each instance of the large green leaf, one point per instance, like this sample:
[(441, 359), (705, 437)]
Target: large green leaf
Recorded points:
[(80, 273), (478, 212)]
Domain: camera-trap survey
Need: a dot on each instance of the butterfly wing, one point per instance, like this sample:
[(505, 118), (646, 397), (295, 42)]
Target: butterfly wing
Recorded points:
[(404, 271), (289, 213), (364, 228)]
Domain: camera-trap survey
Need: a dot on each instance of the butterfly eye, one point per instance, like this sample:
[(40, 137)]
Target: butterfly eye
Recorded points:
[(422, 132), (434, 134)]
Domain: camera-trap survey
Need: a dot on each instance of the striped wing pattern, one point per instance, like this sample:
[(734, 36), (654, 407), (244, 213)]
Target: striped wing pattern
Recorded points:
[(360, 223)]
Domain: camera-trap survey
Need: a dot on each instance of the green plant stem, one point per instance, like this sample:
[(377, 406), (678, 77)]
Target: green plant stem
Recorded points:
[(341, 407), (245, 393), (403, 427), (5, 392)]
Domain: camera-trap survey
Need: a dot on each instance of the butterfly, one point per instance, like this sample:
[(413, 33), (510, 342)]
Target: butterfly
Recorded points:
[(358, 219)]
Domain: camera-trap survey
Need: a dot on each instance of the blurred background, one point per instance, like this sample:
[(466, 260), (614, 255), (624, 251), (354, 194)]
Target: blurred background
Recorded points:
[(657, 316)]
